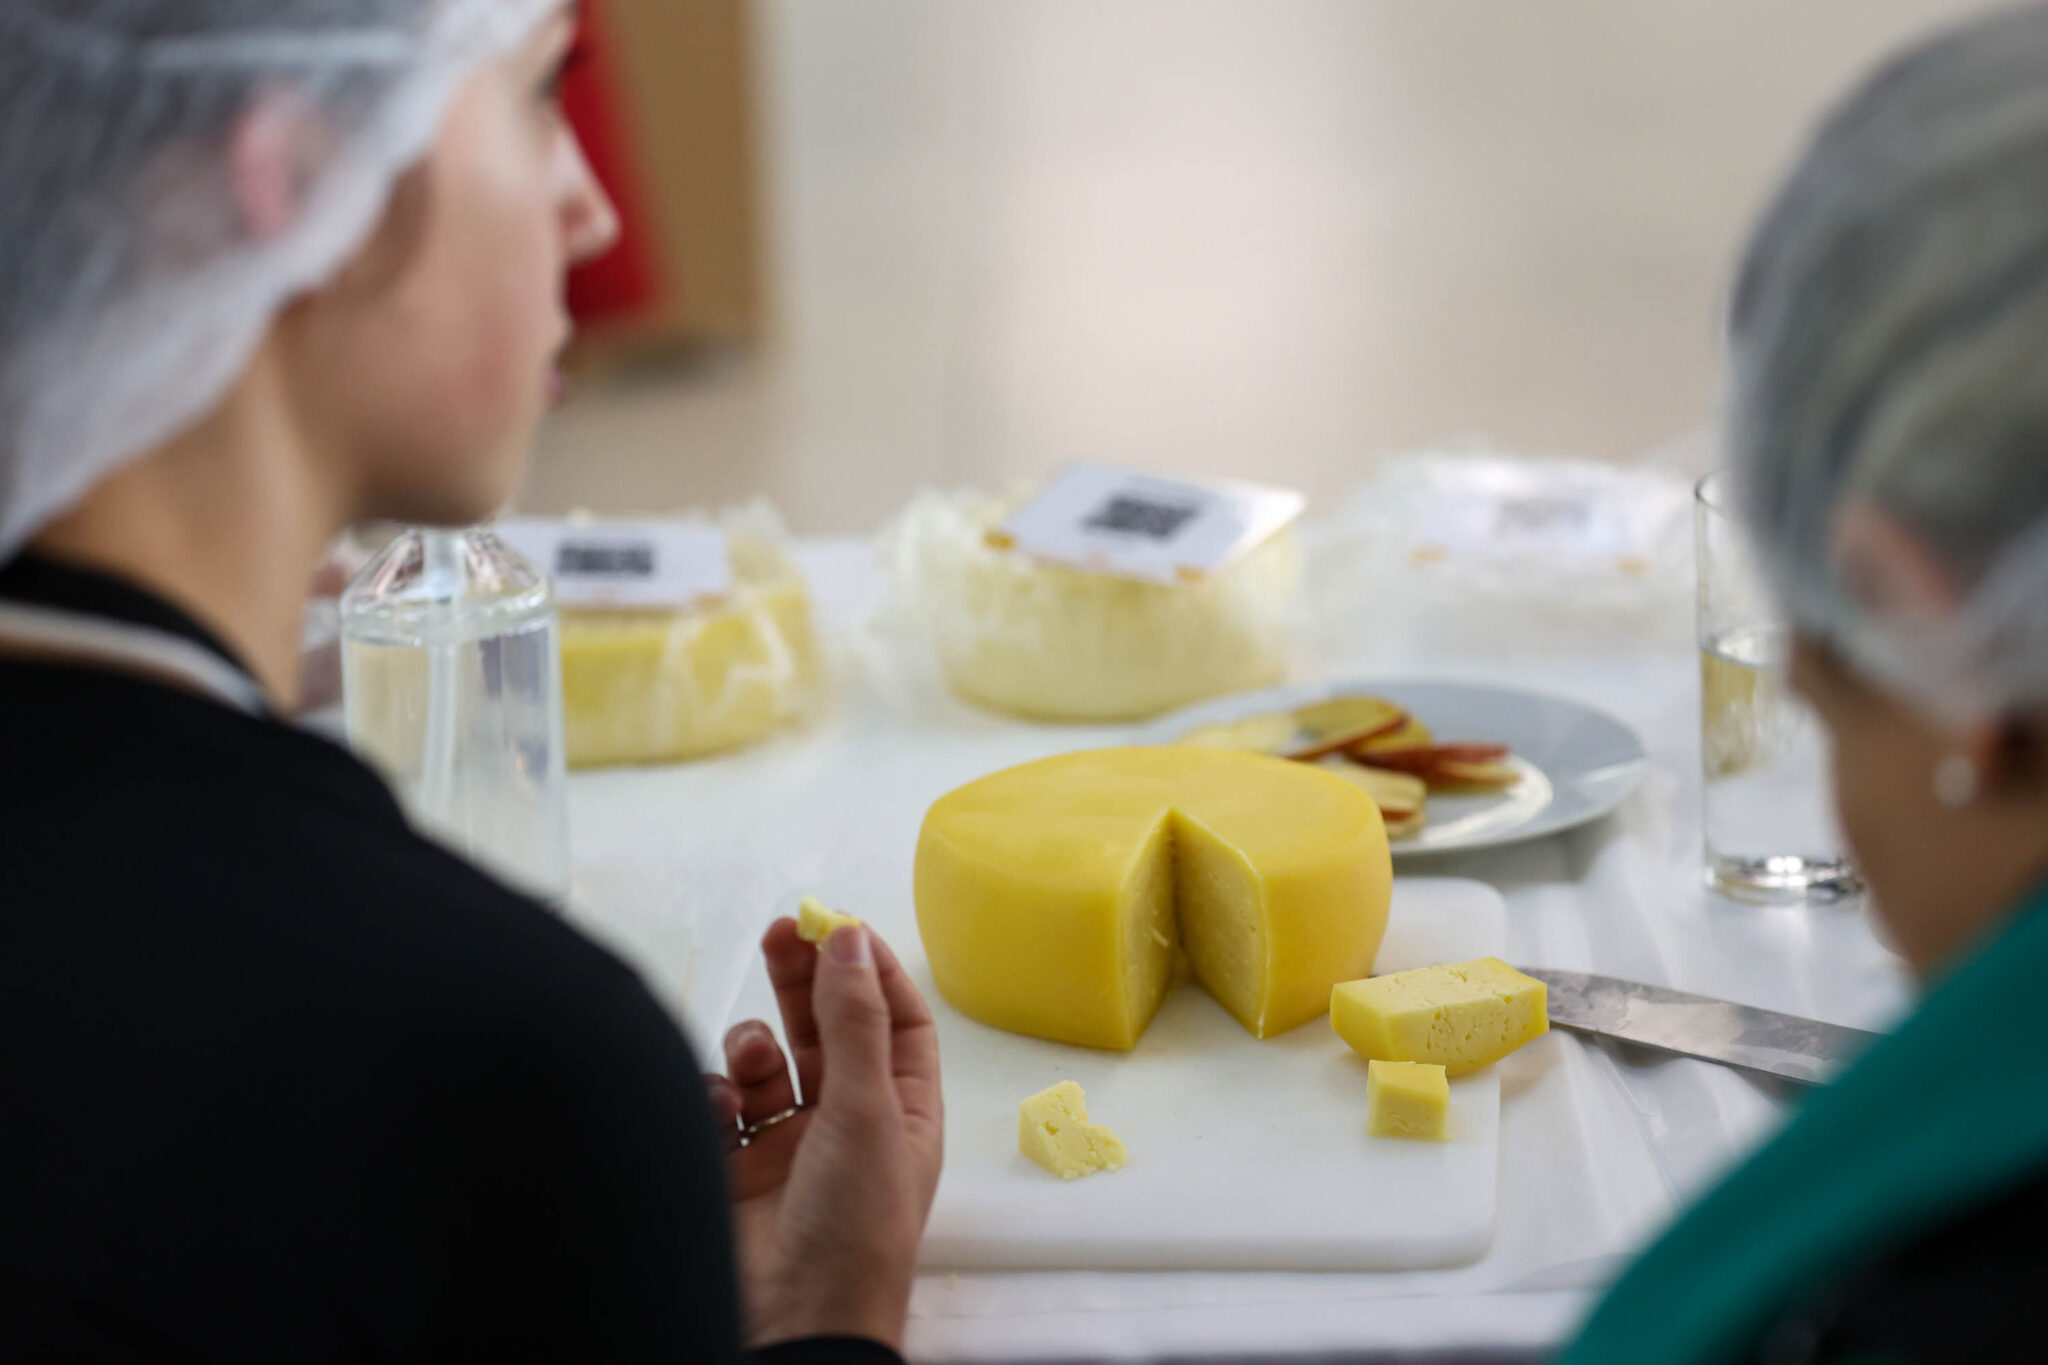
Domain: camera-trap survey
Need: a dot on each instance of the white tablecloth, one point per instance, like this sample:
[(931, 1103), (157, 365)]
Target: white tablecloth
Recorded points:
[(681, 867)]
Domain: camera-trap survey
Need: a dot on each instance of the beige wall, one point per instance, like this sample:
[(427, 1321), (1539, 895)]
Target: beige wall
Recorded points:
[(1274, 238)]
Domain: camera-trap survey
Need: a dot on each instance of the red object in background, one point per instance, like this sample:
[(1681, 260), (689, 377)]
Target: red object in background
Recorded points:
[(625, 283)]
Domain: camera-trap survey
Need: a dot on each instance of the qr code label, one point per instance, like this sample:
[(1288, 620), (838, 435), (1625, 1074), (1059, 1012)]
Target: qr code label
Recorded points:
[(1128, 515), (1146, 526), (1543, 516), (605, 561), (631, 564)]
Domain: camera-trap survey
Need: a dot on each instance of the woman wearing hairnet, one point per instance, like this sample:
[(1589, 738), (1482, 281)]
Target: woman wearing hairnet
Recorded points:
[(282, 1081), (1889, 430)]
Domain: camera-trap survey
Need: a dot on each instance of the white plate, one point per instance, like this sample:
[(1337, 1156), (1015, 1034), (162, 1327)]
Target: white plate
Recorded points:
[(1577, 763)]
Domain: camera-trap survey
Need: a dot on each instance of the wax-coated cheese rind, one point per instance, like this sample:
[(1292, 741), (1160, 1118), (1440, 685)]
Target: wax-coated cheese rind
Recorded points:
[(1407, 1100), (1026, 882), (815, 922), (1053, 1130), (1462, 1015), (1035, 948)]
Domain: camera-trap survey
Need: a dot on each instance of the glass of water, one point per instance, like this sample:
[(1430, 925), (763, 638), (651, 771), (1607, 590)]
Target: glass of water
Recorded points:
[(1771, 833)]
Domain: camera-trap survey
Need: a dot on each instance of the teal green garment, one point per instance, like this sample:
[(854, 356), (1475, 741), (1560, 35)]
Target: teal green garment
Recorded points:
[(1939, 1117)]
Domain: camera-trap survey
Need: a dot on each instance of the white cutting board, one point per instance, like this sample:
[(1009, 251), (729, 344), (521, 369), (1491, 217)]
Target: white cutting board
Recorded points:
[(1244, 1155)]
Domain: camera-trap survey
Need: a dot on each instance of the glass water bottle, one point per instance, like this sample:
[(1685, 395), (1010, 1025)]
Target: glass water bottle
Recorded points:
[(452, 685)]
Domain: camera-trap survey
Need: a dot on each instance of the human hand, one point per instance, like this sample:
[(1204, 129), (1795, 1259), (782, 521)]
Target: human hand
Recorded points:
[(830, 1199)]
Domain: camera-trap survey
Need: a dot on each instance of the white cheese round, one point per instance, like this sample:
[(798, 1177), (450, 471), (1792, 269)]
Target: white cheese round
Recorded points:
[(1047, 642)]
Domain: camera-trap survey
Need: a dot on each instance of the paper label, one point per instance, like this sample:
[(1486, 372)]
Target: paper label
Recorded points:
[(1518, 524), (1145, 526), (639, 564)]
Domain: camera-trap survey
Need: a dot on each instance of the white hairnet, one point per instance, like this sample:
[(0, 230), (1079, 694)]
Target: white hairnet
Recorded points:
[(1890, 344), (132, 291)]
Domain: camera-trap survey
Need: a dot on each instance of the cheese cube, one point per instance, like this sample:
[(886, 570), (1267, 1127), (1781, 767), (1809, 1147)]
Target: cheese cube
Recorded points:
[(1054, 898), (1463, 1016), (1054, 1131), (815, 923), (1407, 1100)]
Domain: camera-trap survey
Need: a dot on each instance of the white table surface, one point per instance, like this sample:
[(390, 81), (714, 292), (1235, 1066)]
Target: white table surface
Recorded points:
[(681, 867)]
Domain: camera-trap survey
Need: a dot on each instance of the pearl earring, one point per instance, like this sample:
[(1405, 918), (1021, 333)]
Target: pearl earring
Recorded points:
[(1955, 781)]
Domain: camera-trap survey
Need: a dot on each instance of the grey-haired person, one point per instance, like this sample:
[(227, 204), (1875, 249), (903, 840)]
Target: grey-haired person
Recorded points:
[(1888, 428)]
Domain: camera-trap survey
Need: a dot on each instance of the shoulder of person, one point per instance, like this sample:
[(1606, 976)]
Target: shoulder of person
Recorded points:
[(390, 925), (468, 938)]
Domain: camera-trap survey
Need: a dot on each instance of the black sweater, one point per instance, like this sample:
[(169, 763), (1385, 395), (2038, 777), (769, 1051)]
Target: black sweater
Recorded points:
[(282, 1081)]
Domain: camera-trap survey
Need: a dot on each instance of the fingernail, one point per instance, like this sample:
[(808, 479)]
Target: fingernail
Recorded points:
[(850, 946)]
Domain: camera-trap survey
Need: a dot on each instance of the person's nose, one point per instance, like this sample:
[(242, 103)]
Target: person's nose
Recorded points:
[(590, 222)]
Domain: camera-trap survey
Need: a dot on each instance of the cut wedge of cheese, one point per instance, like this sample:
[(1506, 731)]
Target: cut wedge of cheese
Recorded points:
[(1054, 1131), (1054, 897), (1462, 1016)]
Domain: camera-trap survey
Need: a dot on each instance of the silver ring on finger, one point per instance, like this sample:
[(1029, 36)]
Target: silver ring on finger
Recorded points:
[(754, 1130)]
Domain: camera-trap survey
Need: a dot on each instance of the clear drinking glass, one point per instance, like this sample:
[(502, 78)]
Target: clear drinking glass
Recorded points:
[(1771, 832), (452, 685)]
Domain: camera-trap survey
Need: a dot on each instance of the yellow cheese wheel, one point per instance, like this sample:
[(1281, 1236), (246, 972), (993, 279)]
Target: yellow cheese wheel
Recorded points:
[(657, 686), (1054, 898)]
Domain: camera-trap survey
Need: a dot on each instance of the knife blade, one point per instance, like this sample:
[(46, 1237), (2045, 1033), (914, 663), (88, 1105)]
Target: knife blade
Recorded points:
[(1742, 1036)]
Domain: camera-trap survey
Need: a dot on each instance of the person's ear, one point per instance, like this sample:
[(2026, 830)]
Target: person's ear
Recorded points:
[(267, 159), (1892, 570), (1896, 574)]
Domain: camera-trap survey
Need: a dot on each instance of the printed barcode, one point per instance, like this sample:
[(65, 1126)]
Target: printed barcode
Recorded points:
[(609, 561), (1566, 515), (1130, 515)]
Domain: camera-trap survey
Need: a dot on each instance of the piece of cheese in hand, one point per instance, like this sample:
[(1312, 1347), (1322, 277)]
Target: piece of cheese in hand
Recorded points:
[(1463, 1015), (1054, 1131), (1053, 897), (815, 923), (1407, 1100)]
